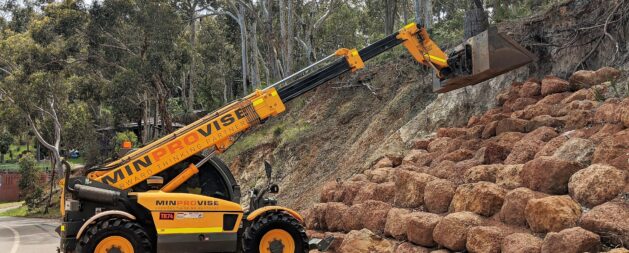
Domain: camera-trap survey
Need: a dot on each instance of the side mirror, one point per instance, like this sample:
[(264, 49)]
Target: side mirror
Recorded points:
[(268, 169), (274, 188)]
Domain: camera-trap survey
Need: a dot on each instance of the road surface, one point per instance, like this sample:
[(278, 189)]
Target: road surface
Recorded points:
[(28, 235)]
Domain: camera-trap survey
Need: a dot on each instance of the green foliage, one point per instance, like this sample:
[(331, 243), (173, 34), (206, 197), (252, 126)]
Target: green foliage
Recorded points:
[(122, 137), (30, 183), (5, 142)]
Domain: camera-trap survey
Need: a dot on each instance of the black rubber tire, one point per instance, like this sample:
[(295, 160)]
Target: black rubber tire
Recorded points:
[(130, 230), (274, 220)]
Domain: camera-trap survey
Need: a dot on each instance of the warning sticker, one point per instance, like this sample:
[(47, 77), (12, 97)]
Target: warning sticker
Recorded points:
[(189, 215)]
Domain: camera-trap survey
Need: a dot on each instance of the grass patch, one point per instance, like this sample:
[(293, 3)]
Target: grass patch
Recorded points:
[(21, 211), (9, 204)]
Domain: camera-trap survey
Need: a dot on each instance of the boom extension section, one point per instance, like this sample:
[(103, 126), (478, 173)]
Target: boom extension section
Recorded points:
[(217, 130)]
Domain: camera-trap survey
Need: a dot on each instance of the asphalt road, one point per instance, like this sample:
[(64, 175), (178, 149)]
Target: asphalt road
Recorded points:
[(28, 235)]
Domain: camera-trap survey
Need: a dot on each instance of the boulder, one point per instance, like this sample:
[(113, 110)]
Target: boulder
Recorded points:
[(451, 231), (508, 139), (480, 173), (608, 74), (444, 145), (521, 243), (438, 194), (548, 174), (509, 176), (458, 155), (380, 175), (552, 214), (543, 134), (328, 191), (353, 218), (384, 162), (512, 125), (552, 84), (489, 130), (576, 119), (606, 131), (576, 149), (347, 190), (374, 215), (333, 213), (358, 178), (612, 147), (365, 193), (524, 151), (483, 198), (410, 248), (582, 94), (396, 159), (597, 184), (618, 250), (315, 218), (518, 104), (494, 153), (360, 241), (554, 99), (571, 240), (338, 240), (483, 239), (512, 211), (449, 170), (530, 89), (608, 112), (508, 94), (551, 146), (420, 143), (397, 220), (420, 228), (536, 110), (584, 78), (409, 188), (624, 113), (547, 121), (413, 155), (610, 221)]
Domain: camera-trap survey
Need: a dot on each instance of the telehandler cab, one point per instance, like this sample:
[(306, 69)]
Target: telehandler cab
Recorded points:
[(167, 197)]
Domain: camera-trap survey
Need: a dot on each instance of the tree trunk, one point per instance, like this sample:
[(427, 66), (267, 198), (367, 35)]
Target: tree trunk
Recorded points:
[(476, 21), (390, 11), (243, 46), (189, 101), (162, 103)]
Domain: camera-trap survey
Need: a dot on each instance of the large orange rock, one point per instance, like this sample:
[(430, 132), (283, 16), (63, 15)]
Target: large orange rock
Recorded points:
[(576, 149), (360, 241), (576, 119), (451, 231), (571, 240), (380, 175), (347, 190), (483, 239), (552, 213), (512, 211), (410, 248), (449, 170), (610, 221), (315, 218), (521, 243), (489, 130), (483, 198), (612, 147), (457, 155), (328, 191), (480, 173), (374, 215), (507, 139), (547, 121), (444, 145), (420, 228), (352, 219), (512, 125), (384, 192), (549, 175), (608, 112), (509, 176), (397, 221), (530, 89), (582, 94), (409, 188), (438, 195), (518, 104), (421, 143), (333, 216), (524, 151), (597, 184), (552, 84), (551, 146), (606, 131)]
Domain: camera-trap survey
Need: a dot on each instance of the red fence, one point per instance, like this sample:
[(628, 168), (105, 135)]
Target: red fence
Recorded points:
[(9, 189)]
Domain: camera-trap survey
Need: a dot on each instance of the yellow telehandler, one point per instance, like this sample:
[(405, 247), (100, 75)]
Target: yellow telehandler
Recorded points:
[(167, 197)]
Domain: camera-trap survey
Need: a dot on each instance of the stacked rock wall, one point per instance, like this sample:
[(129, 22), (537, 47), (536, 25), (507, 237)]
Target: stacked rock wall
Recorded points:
[(545, 171)]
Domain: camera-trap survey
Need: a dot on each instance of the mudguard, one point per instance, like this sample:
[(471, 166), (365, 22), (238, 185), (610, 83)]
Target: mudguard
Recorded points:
[(253, 215)]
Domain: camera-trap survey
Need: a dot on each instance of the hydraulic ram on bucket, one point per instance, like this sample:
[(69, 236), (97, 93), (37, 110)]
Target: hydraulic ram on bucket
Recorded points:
[(480, 58)]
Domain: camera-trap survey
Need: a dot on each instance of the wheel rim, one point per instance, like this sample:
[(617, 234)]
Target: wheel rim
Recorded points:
[(277, 241), (114, 244)]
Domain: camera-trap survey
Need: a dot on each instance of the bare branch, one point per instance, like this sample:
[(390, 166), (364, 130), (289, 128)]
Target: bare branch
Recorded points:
[(39, 137)]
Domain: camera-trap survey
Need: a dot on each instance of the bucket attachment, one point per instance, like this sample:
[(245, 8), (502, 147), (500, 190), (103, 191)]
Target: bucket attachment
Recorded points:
[(480, 58)]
